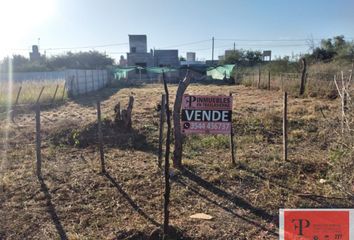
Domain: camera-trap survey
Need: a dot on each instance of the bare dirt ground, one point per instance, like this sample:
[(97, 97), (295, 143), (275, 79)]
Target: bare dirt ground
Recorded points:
[(73, 200)]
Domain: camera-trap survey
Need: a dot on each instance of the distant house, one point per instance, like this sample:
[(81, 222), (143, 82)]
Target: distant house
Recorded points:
[(138, 56), (166, 58), (35, 55), (122, 61)]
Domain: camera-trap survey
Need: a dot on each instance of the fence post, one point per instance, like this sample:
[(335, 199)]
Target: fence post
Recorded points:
[(282, 82), (232, 145), (259, 76), (40, 94), (100, 137), (38, 141), (269, 80), (162, 114), (167, 162), (285, 127), (303, 76), (55, 93), (18, 95)]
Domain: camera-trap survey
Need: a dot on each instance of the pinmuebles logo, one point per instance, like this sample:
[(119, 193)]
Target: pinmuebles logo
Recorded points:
[(316, 224)]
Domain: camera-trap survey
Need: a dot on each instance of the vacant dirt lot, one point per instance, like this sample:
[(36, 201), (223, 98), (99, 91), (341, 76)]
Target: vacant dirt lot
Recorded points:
[(73, 200)]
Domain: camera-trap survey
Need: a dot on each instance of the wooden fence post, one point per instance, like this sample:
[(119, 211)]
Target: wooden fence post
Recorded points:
[(177, 153), (38, 141), (282, 81), (259, 76), (39, 96), (18, 95), (55, 93), (232, 145), (162, 114), (285, 127), (167, 162), (303, 76), (100, 137), (269, 80)]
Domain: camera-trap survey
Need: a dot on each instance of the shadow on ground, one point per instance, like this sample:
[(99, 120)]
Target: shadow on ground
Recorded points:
[(321, 201), (131, 202), (51, 209), (188, 174)]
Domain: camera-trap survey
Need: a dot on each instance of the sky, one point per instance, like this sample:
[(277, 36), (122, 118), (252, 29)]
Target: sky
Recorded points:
[(284, 27)]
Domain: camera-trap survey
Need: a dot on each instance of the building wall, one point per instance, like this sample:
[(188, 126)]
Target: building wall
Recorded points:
[(34, 55), (134, 58), (166, 58), (79, 81), (190, 56), (138, 42)]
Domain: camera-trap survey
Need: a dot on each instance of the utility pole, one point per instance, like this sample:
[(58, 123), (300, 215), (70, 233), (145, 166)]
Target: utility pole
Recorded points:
[(234, 47), (212, 52)]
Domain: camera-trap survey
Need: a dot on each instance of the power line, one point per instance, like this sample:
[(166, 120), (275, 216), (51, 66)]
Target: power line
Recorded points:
[(83, 47), (186, 44), (265, 40)]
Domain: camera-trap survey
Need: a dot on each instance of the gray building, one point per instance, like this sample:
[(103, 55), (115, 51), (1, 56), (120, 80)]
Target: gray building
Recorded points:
[(35, 55), (166, 58), (190, 57), (138, 55)]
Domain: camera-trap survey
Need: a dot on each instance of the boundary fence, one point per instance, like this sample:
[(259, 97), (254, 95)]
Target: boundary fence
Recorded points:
[(44, 87), (316, 84)]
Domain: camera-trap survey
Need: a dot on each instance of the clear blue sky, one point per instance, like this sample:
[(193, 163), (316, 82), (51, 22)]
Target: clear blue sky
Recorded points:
[(167, 23)]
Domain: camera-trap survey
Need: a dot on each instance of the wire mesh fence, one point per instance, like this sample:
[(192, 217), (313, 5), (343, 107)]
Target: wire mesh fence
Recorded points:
[(316, 84)]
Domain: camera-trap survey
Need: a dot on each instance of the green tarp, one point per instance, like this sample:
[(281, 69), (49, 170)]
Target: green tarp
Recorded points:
[(122, 72), (221, 72), (160, 69)]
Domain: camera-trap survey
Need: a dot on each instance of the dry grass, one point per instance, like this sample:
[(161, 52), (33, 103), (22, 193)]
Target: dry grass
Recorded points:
[(30, 92), (317, 84), (127, 203)]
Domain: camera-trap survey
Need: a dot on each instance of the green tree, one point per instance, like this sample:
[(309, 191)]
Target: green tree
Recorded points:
[(81, 60)]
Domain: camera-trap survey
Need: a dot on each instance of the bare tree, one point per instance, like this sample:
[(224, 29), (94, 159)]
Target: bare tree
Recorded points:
[(177, 153)]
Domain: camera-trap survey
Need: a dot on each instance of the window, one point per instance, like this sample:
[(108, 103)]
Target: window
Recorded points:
[(133, 50)]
